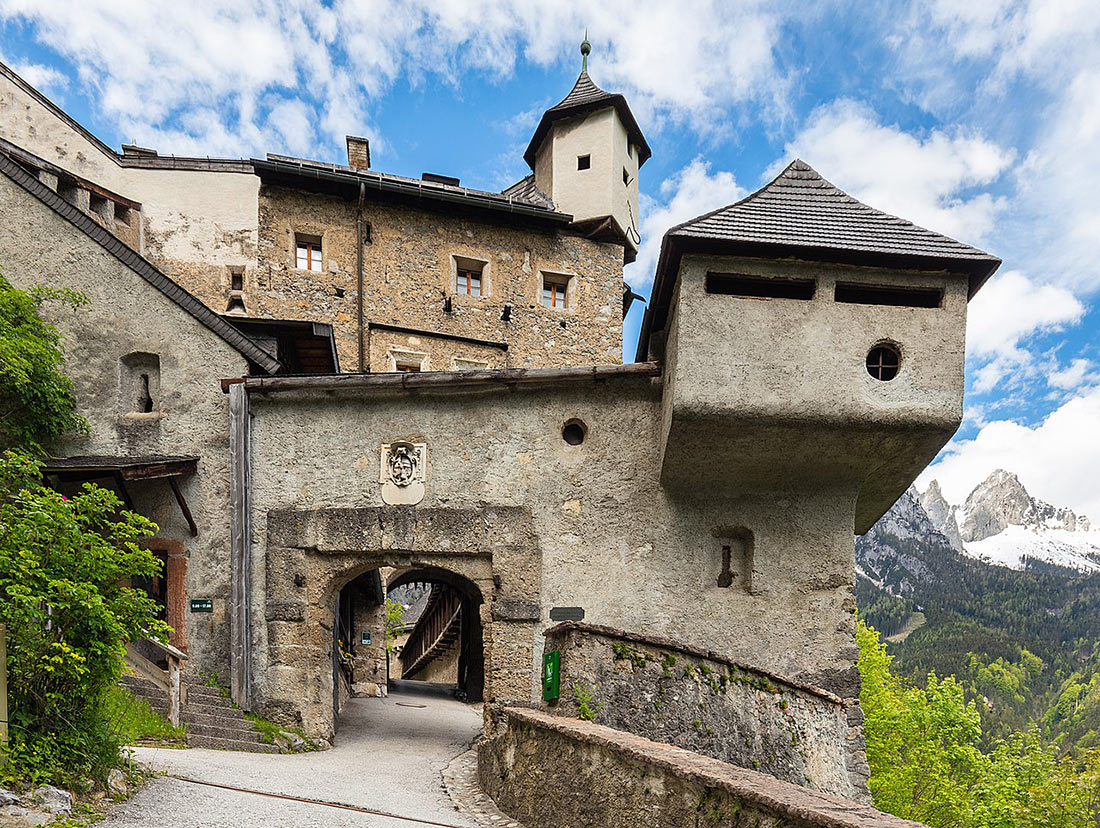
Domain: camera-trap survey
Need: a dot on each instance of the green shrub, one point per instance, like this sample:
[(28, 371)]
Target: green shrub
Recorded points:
[(36, 399), (64, 563)]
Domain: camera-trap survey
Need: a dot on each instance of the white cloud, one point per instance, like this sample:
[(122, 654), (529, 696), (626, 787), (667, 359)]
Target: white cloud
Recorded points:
[(1007, 311), (1074, 375), (151, 63), (692, 191), (1056, 460), (928, 179), (44, 78), (1010, 307)]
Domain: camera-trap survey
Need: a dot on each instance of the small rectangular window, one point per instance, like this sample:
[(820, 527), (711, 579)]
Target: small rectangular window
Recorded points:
[(626, 177), (407, 362), (759, 287), (236, 278), (555, 290), (308, 252), (893, 295), (469, 282), (584, 162)]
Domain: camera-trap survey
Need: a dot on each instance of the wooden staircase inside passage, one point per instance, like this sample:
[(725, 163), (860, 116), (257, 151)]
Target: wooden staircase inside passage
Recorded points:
[(210, 719)]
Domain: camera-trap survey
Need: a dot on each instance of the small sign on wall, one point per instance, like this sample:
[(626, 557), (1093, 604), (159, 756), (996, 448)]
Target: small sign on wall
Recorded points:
[(551, 666), (202, 605), (364, 638)]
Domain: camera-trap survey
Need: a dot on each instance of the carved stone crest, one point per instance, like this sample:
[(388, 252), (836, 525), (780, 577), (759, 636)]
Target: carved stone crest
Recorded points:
[(403, 471)]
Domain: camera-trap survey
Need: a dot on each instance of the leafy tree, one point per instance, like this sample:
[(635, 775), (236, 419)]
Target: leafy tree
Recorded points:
[(64, 563), (926, 763), (395, 620), (37, 404), (922, 744)]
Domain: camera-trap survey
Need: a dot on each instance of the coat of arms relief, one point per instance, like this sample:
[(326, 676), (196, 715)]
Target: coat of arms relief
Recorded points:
[(403, 470)]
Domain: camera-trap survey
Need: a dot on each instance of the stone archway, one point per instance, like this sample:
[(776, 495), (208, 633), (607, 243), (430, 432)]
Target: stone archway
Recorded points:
[(464, 660), (312, 554)]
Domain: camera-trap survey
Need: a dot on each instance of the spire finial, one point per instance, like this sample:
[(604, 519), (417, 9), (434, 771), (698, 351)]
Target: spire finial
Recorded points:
[(586, 49)]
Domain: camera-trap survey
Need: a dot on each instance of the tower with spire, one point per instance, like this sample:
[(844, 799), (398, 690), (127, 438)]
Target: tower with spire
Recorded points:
[(586, 153)]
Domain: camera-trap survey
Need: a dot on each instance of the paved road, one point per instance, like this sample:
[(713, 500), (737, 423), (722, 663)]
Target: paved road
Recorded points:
[(388, 756)]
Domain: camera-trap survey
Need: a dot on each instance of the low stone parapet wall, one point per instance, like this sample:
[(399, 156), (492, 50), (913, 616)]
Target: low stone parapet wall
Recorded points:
[(557, 772), (696, 700)]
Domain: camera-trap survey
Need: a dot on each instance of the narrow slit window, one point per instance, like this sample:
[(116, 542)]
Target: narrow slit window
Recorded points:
[(145, 398), (895, 296), (236, 278), (626, 177), (308, 252), (555, 291), (759, 287), (584, 162)]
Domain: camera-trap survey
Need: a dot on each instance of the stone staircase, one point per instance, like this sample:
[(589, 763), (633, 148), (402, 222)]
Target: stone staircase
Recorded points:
[(210, 719)]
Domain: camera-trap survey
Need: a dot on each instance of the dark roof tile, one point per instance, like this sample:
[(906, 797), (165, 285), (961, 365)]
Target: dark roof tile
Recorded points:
[(587, 97), (801, 215), (525, 190), (801, 209)]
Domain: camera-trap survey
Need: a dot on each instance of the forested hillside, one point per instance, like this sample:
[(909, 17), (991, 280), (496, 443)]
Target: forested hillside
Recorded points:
[(1023, 643)]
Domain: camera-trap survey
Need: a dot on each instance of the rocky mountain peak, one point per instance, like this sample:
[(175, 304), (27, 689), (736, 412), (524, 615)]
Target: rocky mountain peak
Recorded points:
[(942, 514), (1001, 500)]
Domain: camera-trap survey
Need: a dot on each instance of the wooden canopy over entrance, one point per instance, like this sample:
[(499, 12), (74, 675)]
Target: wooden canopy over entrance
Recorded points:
[(127, 469)]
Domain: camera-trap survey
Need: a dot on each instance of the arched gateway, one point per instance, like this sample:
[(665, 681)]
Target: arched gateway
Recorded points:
[(313, 554)]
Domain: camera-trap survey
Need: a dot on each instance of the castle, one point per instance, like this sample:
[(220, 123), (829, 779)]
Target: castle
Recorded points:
[(324, 381)]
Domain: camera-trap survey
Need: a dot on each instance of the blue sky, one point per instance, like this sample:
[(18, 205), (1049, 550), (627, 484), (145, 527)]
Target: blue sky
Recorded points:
[(977, 118)]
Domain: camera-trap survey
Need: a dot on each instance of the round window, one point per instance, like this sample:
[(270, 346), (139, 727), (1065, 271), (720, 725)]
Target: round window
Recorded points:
[(573, 432), (883, 362)]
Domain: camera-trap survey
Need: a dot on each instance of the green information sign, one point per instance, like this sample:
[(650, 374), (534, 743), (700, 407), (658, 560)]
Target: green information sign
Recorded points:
[(202, 605), (365, 638), (551, 665)]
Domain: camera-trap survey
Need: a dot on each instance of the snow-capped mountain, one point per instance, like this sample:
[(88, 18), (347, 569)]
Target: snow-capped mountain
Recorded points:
[(1000, 523)]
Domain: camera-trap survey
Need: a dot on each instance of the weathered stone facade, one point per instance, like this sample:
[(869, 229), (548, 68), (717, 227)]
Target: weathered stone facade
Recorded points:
[(409, 273), (127, 319), (701, 701), (560, 773)]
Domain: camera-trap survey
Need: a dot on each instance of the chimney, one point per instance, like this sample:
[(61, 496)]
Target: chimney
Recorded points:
[(358, 153)]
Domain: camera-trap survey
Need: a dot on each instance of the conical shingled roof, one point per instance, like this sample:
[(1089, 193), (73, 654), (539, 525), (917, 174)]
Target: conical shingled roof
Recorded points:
[(584, 91), (801, 209), (587, 97), (800, 215)]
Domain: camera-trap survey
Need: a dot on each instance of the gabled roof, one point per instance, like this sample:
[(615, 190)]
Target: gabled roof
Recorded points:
[(337, 178), (586, 97), (234, 338), (801, 215), (525, 190)]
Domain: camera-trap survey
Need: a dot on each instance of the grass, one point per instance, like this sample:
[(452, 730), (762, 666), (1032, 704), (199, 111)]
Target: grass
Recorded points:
[(135, 721), (270, 730)]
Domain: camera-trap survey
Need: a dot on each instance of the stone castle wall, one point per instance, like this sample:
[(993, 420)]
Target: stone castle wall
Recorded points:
[(409, 274), (700, 701), (125, 319)]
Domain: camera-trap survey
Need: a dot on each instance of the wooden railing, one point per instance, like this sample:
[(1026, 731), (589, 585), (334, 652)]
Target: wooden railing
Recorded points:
[(167, 680), (440, 620)]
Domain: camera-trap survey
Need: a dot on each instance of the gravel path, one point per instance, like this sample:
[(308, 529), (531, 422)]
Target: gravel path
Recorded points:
[(388, 756)]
